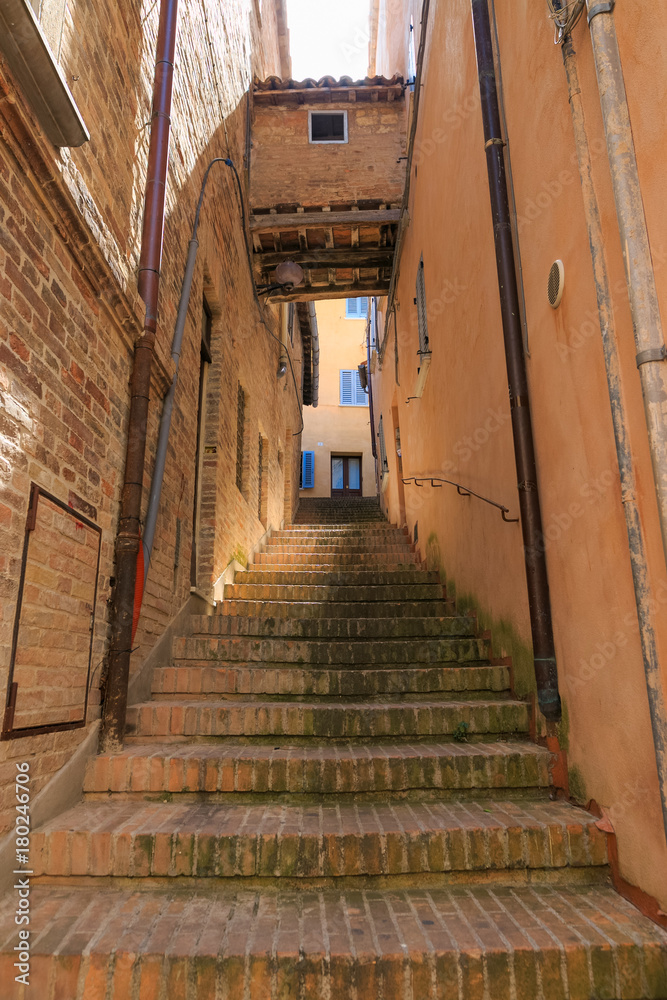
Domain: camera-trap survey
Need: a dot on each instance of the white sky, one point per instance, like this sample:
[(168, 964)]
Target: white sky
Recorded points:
[(328, 38)]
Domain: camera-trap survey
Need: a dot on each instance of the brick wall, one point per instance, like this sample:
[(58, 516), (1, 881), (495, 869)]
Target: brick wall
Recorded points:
[(288, 169), (70, 227)]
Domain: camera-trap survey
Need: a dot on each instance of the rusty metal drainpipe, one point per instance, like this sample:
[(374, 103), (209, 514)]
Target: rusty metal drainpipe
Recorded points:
[(128, 539), (636, 541), (371, 320), (546, 674), (649, 339)]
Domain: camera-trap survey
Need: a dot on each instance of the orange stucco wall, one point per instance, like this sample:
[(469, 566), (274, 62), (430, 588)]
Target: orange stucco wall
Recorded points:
[(460, 428), (332, 429)]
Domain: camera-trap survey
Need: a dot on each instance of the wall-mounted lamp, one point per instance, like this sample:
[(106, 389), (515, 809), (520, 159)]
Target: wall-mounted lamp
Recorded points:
[(288, 275), (282, 368)]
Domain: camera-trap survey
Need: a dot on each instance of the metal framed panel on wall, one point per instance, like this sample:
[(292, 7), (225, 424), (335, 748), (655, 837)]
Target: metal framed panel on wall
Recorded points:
[(54, 621)]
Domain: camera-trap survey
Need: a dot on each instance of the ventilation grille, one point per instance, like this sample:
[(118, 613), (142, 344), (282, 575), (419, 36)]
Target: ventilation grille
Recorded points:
[(556, 283)]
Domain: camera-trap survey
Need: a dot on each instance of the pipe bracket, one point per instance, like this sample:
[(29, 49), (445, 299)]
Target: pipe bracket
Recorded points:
[(494, 142), (601, 8), (652, 354)]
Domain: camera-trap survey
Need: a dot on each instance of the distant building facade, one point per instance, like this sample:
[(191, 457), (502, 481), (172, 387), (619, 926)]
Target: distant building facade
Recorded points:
[(337, 456)]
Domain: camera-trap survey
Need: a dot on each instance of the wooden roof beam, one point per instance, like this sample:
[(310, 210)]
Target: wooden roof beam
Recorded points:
[(319, 220), (337, 257)]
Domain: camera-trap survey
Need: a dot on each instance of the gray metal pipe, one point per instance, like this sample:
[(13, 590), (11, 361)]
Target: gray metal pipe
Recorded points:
[(168, 405), (167, 410), (649, 340), (636, 542), (315, 339)]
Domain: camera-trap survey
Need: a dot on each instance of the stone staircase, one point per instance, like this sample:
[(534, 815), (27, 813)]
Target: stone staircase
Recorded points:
[(331, 794)]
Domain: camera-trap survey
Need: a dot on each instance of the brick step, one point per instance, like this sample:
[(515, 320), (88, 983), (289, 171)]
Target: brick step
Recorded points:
[(383, 592), (343, 531), (339, 561), (249, 649), (384, 610), (332, 628), (137, 840), (331, 720), (502, 942), (339, 769), (267, 574), (360, 539), (362, 546), (203, 680)]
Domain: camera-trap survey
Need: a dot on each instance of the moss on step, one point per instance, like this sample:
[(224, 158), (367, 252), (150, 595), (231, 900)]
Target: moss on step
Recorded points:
[(505, 639)]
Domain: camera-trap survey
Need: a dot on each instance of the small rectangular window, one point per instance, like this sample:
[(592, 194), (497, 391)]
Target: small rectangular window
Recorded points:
[(327, 126), (307, 470), (420, 302), (351, 390), (356, 308)]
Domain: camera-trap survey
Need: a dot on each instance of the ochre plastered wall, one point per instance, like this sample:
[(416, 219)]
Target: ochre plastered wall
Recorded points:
[(332, 429), (70, 228), (460, 428)]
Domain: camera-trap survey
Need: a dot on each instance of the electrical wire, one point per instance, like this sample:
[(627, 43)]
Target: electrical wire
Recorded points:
[(564, 15), (260, 308)]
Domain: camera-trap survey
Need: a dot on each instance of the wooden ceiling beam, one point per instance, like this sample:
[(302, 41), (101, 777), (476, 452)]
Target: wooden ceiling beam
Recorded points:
[(334, 291), (322, 220), (338, 257)]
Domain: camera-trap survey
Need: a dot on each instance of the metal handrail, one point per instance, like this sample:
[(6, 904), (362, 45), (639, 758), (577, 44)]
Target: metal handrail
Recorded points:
[(463, 491)]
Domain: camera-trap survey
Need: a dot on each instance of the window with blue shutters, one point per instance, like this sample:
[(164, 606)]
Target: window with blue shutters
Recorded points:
[(352, 392), (356, 308), (420, 302), (384, 464), (307, 470)]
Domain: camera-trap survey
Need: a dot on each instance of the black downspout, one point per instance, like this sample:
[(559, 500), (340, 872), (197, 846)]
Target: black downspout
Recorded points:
[(370, 385), (546, 674)]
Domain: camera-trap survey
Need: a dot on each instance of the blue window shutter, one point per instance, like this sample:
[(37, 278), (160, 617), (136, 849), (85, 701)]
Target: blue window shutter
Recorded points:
[(307, 470), (356, 308), (422, 323), (360, 397), (346, 387)]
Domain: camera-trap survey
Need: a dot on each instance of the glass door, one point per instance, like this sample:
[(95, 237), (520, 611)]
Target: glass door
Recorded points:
[(345, 475)]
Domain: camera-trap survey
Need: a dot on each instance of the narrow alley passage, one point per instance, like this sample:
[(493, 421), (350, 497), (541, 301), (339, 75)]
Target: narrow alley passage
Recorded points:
[(331, 791)]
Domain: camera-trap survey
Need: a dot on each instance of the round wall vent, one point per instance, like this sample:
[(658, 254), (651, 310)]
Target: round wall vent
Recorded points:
[(556, 283)]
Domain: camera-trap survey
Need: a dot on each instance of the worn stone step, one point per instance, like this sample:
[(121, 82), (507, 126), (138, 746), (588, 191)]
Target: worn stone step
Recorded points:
[(329, 578), (333, 720), (133, 839), (251, 649), (338, 534), (337, 769), (275, 592), (343, 531), (335, 609), (458, 943), (330, 560), (201, 679), (332, 628), (361, 546)]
